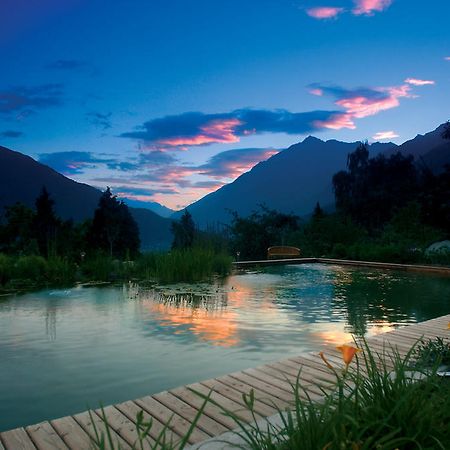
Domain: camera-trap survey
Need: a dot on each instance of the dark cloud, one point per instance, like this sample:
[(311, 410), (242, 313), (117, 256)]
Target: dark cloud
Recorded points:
[(11, 134), (195, 128), (100, 120), (72, 163), (232, 163), (66, 64), (24, 100)]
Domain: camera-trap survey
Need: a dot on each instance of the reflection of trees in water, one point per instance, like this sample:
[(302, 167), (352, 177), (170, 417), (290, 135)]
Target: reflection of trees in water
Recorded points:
[(210, 298), (376, 296), (50, 322)]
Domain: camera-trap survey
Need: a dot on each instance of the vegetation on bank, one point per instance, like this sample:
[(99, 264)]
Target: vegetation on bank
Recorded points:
[(388, 209), (399, 404), (39, 249)]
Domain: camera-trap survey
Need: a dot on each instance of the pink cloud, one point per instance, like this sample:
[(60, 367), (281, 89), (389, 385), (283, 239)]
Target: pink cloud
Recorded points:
[(324, 12), (363, 106), (382, 135), (316, 91), (217, 131), (368, 7), (359, 103), (337, 122), (447, 58), (418, 82)]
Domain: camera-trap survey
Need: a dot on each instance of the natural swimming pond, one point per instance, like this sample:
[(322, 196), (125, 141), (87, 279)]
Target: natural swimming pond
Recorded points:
[(62, 351)]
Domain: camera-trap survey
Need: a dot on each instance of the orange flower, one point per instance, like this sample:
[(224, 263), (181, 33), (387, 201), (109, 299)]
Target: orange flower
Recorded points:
[(448, 325), (348, 352)]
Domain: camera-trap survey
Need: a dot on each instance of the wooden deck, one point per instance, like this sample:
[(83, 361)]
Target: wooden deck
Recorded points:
[(270, 383), (423, 268)]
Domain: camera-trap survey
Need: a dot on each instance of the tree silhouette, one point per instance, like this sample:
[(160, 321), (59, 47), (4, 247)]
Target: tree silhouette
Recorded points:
[(113, 228), (183, 231), (45, 223)]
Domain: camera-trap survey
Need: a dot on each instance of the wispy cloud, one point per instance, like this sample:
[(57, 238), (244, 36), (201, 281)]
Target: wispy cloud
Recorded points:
[(24, 100), (232, 163), (195, 128), (100, 120), (447, 58), (418, 82), (324, 12), (66, 64), (7, 134), (384, 135), (361, 102), (369, 7), (73, 162)]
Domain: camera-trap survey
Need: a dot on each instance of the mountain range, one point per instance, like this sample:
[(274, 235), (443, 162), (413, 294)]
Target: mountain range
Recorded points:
[(295, 179), (291, 181), (22, 178)]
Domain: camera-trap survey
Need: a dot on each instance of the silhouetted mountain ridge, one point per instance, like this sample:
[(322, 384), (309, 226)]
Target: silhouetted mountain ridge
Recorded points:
[(293, 180), (22, 179)]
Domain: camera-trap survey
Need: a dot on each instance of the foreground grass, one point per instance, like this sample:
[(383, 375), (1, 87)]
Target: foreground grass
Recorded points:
[(369, 407), (191, 265)]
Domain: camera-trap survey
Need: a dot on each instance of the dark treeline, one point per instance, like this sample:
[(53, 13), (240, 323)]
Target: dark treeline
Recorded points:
[(39, 248), (387, 209), (112, 230)]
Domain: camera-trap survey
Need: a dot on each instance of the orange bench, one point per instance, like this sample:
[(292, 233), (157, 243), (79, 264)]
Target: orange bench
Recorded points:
[(283, 252)]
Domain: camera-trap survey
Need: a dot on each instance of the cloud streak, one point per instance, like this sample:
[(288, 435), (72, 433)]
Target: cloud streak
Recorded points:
[(418, 82), (324, 12), (66, 65), (361, 102), (384, 135), (369, 7), (25, 100), (7, 134), (195, 128)]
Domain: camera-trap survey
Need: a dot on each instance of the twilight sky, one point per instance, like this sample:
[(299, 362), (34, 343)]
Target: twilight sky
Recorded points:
[(167, 100)]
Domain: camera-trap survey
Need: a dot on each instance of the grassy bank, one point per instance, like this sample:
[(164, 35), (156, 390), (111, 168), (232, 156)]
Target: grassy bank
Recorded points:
[(191, 265)]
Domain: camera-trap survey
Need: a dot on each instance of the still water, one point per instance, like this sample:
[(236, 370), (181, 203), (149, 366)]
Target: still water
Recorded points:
[(62, 351)]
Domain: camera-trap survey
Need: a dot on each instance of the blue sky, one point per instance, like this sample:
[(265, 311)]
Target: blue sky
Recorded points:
[(168, 100)]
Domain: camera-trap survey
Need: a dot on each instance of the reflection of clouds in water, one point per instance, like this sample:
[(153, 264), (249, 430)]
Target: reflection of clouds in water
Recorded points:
[(215, 314)]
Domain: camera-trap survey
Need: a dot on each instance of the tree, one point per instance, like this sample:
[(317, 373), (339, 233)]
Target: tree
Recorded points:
[(253, 235), (45, 223), (371, 190), (183, 231), (113, 228), (16, 235), (318, 212)]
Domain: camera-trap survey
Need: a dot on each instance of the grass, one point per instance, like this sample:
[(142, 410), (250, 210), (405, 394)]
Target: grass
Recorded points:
[(370, 406), (191, 265)]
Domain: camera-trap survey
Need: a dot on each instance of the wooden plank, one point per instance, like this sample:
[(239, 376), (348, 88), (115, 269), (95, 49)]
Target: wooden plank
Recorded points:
[(185, 410), (210, 410), (17, 439), (228, 405), (131, 409), (124, 427), (310, 375), (262, 386), (87, 422), (233, 394), (262, 396), (277, 377), (44, 437), (177, 423), (71, 433)]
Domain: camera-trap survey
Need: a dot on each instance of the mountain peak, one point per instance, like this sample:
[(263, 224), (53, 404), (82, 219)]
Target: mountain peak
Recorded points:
[(311, 139)]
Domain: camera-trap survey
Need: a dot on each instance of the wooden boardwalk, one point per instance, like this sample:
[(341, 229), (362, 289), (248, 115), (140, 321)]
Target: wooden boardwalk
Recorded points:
[(270, 382)]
